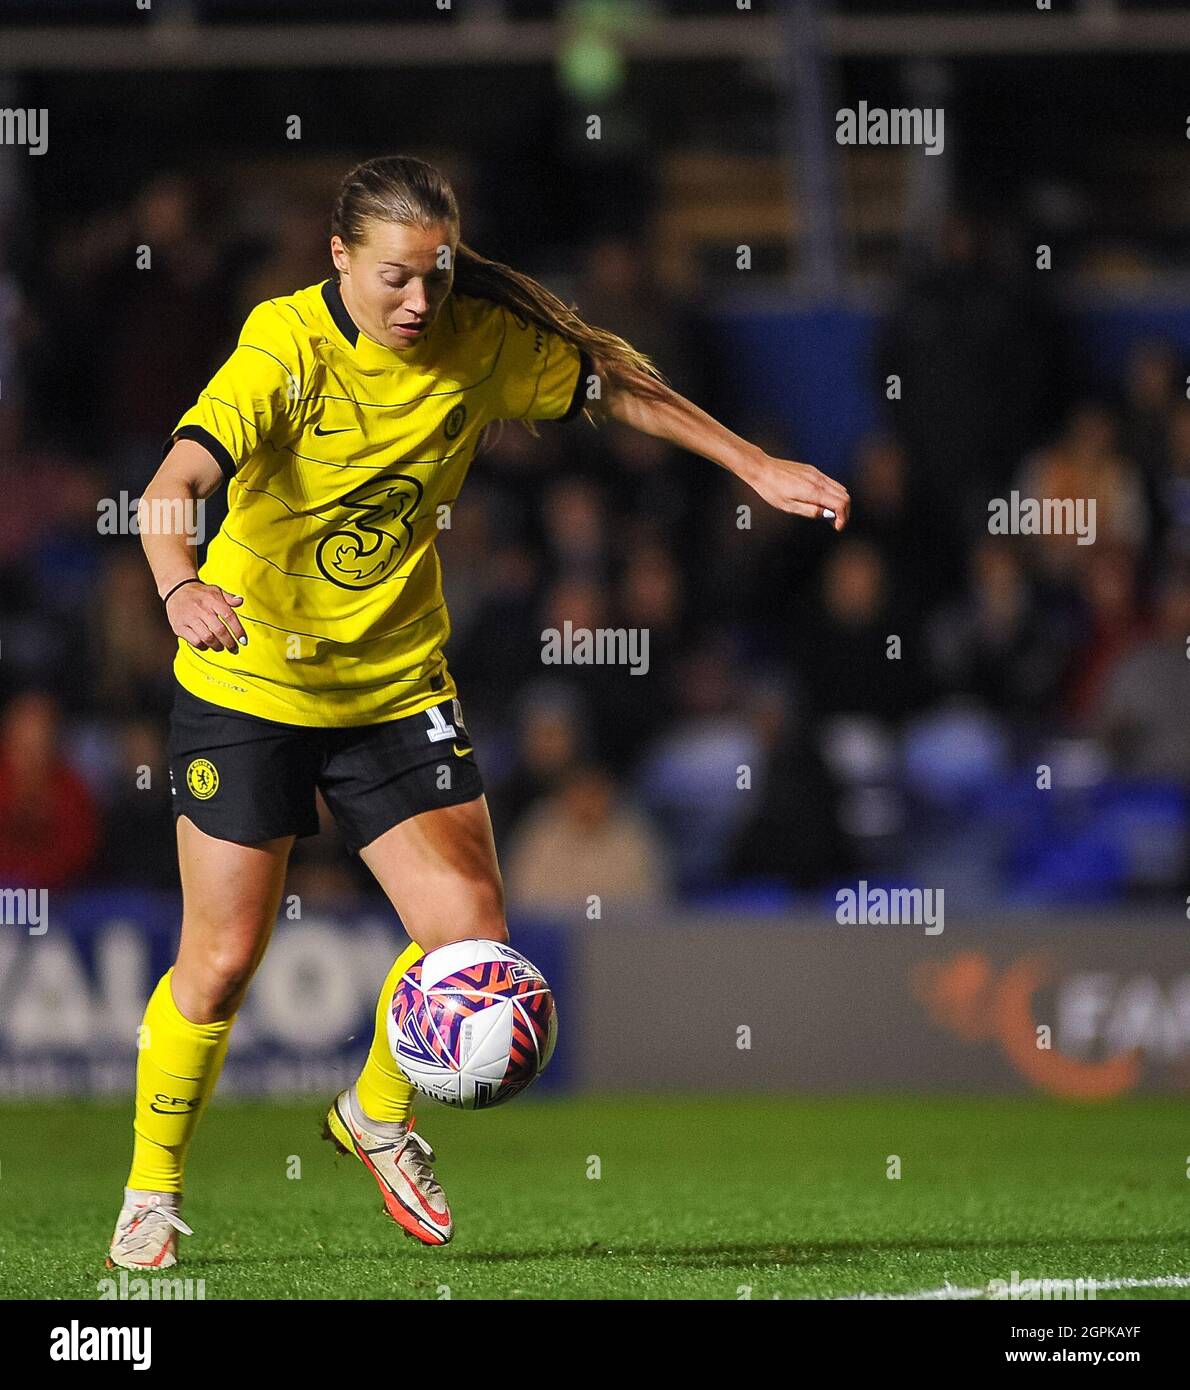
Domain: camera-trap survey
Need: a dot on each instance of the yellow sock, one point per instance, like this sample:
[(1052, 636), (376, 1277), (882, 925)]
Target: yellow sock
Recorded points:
[(383, 1091), (176, 1070)]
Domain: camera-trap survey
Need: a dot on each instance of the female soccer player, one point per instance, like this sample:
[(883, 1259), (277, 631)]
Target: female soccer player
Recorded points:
[(310, 652)]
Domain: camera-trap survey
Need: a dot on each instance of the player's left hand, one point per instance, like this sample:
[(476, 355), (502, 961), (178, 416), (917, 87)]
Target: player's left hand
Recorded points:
[(798, 488)]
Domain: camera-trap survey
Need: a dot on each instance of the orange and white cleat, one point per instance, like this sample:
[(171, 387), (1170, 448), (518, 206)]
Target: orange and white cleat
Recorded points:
[(401, 1162), (146, 1234)]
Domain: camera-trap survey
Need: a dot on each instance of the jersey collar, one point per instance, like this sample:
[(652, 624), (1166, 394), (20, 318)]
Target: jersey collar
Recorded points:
[(368, 352)]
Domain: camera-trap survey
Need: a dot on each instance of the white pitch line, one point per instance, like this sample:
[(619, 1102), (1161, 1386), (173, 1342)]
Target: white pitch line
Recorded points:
[(954, 1291)]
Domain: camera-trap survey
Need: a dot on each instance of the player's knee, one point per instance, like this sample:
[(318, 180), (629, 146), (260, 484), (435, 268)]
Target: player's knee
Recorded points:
[(213, 986)]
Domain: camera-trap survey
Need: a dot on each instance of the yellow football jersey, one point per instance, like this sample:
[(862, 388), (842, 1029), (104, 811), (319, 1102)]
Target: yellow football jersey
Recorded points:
[(343, 458)]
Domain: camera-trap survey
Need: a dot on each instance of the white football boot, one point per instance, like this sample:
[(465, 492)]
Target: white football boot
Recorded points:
[(401, 1162), (146, 1234)]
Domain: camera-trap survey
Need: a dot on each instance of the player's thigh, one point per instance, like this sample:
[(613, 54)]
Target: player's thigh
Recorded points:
[(231, 894), (440, 873), (408, 797)]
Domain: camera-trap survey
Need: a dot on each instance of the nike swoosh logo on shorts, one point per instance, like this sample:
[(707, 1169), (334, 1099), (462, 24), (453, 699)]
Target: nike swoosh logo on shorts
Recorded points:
[(346, 429)]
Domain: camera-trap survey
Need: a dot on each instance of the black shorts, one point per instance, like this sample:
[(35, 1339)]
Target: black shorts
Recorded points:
[(242, 778)]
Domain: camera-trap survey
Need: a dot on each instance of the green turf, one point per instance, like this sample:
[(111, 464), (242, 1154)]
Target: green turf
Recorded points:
[(697, 1196)]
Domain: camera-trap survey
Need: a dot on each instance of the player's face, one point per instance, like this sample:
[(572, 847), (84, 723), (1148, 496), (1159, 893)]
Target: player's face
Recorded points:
[(393, 282)]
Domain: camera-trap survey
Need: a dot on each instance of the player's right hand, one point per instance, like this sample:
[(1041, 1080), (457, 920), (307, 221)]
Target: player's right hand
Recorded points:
[(798, 488), (203, 614)]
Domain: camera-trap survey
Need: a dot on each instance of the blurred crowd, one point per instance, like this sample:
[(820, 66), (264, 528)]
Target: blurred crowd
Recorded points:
[(916, 698)]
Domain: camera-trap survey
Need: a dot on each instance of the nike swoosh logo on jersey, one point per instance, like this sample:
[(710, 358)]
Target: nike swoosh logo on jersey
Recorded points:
[(461, 752), (345, 430)]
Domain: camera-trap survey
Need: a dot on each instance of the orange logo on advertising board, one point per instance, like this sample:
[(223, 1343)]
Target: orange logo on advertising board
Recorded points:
[(968, 996)]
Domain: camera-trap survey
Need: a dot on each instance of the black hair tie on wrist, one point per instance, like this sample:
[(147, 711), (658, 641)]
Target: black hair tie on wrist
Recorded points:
[(177, 586)]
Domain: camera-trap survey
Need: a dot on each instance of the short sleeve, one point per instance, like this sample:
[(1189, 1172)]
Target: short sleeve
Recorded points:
[(539, 374), (249, 398)]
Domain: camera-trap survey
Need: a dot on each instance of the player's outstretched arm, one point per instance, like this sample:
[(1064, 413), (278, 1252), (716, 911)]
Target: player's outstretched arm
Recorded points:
[(788, 486), (200, 613)]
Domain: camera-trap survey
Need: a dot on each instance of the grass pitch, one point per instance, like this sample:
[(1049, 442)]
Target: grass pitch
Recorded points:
[(631, 1198)]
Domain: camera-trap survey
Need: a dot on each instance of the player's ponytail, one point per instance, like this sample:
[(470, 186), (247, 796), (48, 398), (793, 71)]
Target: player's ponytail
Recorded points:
[(410, 192), (623, 365)]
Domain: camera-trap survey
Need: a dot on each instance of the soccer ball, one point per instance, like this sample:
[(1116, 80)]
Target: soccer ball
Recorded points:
[(472, 1024)]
